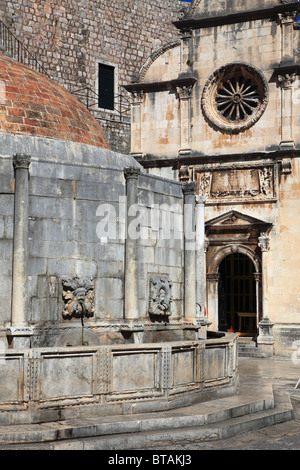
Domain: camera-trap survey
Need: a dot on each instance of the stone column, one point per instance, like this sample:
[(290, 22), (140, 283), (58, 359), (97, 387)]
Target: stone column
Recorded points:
[(286, 84), (257, 278), (286, 20), (184, 94), (265, 339), (200, 263), (131, 294), (213, 298), (264, 244), (136, 125), (189, 252), (186, 50), (19, 331)]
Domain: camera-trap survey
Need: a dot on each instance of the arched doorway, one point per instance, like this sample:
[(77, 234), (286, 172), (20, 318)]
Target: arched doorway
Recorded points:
[(237, 304)]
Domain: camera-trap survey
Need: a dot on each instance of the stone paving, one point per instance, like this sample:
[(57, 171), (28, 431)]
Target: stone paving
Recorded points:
[(283, 436)]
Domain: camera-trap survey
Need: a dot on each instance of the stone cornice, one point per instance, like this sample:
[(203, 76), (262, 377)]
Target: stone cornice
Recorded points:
[(150, 161), (249, 15), (287, 67), (161, 86)]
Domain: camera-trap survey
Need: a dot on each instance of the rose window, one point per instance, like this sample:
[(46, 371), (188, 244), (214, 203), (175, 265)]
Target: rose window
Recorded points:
[(235, 97)]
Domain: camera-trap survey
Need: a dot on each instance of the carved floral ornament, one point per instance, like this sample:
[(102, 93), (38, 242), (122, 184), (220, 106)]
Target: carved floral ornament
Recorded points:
[(235, 97)]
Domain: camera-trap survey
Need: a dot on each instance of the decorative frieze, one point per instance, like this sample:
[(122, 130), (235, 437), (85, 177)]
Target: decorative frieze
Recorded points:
[(237, 182)]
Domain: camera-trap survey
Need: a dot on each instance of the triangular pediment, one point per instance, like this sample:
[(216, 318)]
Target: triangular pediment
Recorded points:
[(235, 219)]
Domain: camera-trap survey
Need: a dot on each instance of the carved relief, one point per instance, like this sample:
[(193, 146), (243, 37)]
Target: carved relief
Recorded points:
[(266, 181), (204, 184), (78, 296), (239, 182), (160, 296)]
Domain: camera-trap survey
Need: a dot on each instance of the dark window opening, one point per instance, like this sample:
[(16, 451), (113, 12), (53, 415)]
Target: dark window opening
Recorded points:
[(106, 86)]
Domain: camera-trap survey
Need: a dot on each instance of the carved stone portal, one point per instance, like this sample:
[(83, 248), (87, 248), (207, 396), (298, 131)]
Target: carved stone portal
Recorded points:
[(78, 296), (160, 296)]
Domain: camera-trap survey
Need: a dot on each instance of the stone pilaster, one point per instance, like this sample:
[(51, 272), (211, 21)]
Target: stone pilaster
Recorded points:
[(286, 83), (184, 93), (136, 124), (286, 20), (212, 280)]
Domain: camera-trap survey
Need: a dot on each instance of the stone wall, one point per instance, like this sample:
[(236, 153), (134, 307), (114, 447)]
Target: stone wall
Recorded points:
[(76, 231), (161, 246), (69, 38)]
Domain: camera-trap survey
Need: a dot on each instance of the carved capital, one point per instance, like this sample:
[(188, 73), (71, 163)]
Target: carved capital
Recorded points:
[(257, 277), (287, 17), (184, 92), (21, 160), (189, 188), (131, 172), (137, 96), (201, 199), (286, 81)]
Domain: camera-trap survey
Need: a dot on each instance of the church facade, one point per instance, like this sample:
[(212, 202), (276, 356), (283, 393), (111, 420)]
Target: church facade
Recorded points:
[(219, 107)]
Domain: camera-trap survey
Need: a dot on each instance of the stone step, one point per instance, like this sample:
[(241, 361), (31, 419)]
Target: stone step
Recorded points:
[(217, 419), (249, 349)]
